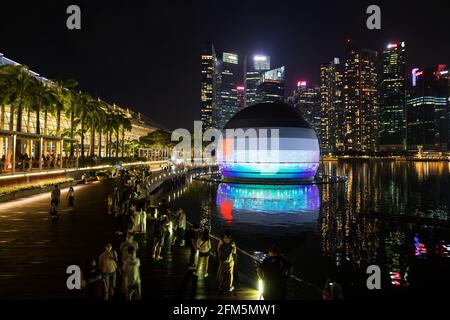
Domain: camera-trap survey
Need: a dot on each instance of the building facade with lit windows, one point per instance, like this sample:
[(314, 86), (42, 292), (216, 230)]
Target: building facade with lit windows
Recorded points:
[(306, 99), (240, 91), (360, 98), (271, 86), (427, 110), (392, 132), (45, 140), (254, 67), (208, 83), (227, 103), (332, 108)]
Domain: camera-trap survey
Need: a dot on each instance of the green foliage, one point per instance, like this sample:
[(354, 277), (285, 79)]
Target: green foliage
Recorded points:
[(158, 138)]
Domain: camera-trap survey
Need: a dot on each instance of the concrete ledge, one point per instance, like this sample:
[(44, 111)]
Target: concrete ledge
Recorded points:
[(33, 191)]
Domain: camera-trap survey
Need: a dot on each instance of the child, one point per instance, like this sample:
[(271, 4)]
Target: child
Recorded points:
[(53, 209)]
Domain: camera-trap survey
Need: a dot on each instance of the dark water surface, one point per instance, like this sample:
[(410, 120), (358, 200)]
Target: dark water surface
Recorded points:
[(321, 230)]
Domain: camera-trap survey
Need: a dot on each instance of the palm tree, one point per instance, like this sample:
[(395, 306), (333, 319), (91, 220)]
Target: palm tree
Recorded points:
[(82, 112), (71, 112), (126, 126), (20, 81), (44, 97), (64, 90)]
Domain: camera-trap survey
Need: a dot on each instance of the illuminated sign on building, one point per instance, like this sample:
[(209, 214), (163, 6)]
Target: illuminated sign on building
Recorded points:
[(274, 75), (414, 74), (230, 58)]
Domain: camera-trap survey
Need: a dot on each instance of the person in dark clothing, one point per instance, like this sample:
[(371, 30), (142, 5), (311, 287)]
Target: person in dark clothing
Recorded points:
[(95, 285), (161, 228), (191, 239), (274, 271)]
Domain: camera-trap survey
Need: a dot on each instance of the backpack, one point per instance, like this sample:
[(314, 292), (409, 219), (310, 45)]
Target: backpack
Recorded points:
[(226, 253)]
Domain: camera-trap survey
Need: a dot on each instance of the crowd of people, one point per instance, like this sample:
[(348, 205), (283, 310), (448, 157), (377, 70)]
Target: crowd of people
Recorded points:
[(134, 204)]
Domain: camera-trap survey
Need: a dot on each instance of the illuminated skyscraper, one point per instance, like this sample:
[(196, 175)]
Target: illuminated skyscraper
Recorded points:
[(240, 90), (306, 99), (227, 103), (332, 109), (208, 83), (254, 67), (360, 97), (271, 86), (392, 132), (427, 115)]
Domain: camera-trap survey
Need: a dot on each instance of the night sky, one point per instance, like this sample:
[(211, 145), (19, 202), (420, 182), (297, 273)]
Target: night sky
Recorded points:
[(145, 54)]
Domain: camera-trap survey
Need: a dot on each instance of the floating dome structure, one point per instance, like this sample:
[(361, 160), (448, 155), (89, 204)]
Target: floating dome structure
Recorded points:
[(268, 141)]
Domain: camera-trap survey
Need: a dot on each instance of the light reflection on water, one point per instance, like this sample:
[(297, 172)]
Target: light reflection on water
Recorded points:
[(268, 209), (320, 230)]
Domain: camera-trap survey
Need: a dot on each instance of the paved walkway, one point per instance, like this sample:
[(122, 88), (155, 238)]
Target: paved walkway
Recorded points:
[(35, 252)]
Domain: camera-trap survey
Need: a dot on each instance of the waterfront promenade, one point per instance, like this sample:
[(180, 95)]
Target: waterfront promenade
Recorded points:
[(35, 252)]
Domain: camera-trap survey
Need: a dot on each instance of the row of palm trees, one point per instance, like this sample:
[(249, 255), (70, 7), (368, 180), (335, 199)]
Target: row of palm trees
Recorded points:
[(25, 93)]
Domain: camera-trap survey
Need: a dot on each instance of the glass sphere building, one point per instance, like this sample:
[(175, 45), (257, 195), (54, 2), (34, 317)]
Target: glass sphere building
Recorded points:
[(268, 141)]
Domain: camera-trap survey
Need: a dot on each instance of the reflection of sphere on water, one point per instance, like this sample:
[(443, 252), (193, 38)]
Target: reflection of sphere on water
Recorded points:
[(294, 154), (268, 206)]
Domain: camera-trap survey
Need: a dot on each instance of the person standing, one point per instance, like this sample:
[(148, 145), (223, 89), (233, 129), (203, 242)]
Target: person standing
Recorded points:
[(143, 225), (56, 195), (129, 242), (180, 224), (204, 247), (274, 271), (160, 231), (95, 285), (332, 291), (132, 275), (108, 265), (226, 251), (192, 237), (110, 203), (71, 198)]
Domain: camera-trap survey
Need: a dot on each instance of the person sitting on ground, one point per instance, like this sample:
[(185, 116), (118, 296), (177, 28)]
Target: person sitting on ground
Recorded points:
[(274, 271)]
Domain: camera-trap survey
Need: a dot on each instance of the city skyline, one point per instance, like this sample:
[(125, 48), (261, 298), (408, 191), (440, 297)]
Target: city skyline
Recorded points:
[(300, 36)]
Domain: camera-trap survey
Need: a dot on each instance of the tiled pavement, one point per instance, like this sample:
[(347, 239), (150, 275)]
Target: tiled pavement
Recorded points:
[(35, 252)]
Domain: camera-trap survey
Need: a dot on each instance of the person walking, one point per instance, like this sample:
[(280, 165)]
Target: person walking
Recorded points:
[(191, 238), (70, 198), (108, 265), (132, 275), (204, 248), (226, 251), (274, 272)]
